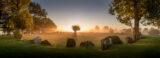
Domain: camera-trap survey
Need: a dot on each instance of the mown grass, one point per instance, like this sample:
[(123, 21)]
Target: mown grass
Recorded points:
[(149, 47)]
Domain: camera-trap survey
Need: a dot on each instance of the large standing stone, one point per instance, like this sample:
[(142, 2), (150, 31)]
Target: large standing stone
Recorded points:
[(71, 42), (45, 42), (37, 40), (106, 43), (86, 44), (129, 40)]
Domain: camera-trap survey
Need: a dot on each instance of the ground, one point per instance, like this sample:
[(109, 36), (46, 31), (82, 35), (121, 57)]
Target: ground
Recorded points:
[(59, 39), (148, 47)]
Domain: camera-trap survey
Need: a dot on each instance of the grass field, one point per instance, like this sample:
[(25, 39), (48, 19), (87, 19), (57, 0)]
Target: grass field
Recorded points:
[(149, 47), (59, 40)]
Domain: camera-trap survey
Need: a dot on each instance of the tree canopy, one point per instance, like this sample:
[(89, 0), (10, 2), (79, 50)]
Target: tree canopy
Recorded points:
[(40, 20), (15, 15), (75, 28), (144, 11), (23, 15)]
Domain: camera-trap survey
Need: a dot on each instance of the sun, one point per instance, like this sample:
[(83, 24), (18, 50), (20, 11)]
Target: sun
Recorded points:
[(68, 29)]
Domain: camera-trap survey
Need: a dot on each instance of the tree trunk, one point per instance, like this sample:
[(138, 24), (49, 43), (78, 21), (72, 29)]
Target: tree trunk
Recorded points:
[(137, 17), (75, 34), (136, 32)]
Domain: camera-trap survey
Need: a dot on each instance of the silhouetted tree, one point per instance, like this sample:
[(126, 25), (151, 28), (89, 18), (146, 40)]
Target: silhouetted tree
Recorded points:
[(153, 31), (75, 28), (40, 20), (111, 30), (128, 10), (48, 24), (105, 28), (97, 28), (36, 10)]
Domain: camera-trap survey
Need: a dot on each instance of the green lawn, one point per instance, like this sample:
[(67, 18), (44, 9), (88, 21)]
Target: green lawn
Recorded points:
[(149, 47)]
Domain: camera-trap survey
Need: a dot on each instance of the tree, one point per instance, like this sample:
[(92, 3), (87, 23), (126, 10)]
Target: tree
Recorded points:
[(153, 31), (111, 30), (135, 10), (5, 16), (152, 16), (36, 10), (4, 6), (21, 16), (48, 25), (97, 28), (15, 15), (75, 28), (23, 20), (40, 21), (105, 28), (145, 30)]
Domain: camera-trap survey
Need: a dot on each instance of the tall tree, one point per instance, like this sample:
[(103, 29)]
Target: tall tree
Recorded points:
[(40, 20), (36, 10), (15, 15), (21, 17), (75, 28), (135, 10), (5, 16)]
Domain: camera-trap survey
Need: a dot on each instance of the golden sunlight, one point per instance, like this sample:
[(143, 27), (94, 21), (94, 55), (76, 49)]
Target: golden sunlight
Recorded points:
[(69, 29)]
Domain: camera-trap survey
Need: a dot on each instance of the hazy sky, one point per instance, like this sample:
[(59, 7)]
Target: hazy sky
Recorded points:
[(86, 13)]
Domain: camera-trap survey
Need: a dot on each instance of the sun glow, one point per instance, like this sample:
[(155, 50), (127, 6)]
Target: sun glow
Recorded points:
[(69, 29)]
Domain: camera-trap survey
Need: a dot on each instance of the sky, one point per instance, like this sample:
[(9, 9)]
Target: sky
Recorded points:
[(86, 13)]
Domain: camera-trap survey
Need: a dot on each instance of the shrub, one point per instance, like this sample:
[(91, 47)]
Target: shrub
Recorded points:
[(45, 42), (17, 34), (116, 40), (86, 44), (71, 42)]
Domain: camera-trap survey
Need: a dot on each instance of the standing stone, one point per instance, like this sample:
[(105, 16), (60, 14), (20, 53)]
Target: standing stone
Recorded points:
[(71, 42), (86, 44), (106, 43), (110, 40), (129, 40), (45, 42), (37, 40)]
